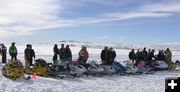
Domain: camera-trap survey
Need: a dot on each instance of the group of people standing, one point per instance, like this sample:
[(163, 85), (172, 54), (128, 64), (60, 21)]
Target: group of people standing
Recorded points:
[(64, 53), (12, 52), (29, 53), (149, 56), (108, 56)]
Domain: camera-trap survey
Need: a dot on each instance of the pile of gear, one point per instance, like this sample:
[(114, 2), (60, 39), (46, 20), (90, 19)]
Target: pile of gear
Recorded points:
[(13, 70)]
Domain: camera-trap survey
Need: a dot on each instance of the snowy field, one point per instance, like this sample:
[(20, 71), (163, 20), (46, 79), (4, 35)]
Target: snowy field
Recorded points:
[(133, 83)]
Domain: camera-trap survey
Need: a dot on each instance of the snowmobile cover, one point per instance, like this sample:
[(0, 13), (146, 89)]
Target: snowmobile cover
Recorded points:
[(13, 70)]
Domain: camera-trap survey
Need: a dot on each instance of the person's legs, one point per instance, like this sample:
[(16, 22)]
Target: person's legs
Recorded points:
[(26, 63), (11, 57), (54, 58), (15, 57), (3, 58), (30, 62)]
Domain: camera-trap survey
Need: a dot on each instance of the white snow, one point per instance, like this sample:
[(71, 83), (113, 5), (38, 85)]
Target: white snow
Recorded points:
[(133, 83)]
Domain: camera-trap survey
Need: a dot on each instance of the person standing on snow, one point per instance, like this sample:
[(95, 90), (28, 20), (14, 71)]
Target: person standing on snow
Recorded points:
[(112, 56), (105, 56), (168, 59), (168, 55), (56, 52), (145, 53), (83, 55), (160, 56), (29, 55), (62, 53), (3, 52), (151, 57), (13, 51), (132, 56), (68, 54)]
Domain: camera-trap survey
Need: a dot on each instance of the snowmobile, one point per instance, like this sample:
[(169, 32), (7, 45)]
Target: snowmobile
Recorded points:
[(120, 69), (77, 70), (130, 67), (161, 65), (177, 65), (108, 70), (59, 72), (94, 69)]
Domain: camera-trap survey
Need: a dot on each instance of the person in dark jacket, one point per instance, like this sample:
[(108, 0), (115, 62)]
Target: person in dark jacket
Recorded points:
[(13, 51), (140, 56), (112, 56), (161, 55), (68, 54), (3, 52), (0, 50), (62, 53), (132, 56), (151, 57), (56, 52), (29, 55), (104, 55), (145, 53)]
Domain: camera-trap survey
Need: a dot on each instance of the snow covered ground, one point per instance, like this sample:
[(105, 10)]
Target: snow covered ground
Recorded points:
[(133, 83)]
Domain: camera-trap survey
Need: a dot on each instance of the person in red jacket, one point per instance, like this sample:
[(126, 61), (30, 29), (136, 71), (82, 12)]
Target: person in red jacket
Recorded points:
[(83, 55)]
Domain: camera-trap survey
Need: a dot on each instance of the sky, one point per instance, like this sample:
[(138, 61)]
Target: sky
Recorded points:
[(122, 21)]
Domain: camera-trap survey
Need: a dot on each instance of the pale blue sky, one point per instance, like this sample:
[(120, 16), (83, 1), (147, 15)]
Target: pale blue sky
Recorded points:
[(130, 21)]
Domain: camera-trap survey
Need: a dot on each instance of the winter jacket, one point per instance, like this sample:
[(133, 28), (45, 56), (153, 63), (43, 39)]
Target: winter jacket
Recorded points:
[(168, 56), (62, 53), (4, 51), (151, 56), (104, 55), (84, 55), (29, 54), (0, 51), (161, 57), (68, 54), (145, 53), (132, 56), (112, 56), (56, 51), (140, 56), (13, 50)]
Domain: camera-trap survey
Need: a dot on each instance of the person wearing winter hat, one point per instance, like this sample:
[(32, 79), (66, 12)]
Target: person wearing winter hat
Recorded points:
[(13, 51)]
